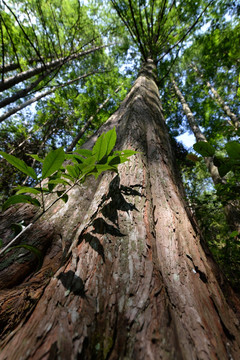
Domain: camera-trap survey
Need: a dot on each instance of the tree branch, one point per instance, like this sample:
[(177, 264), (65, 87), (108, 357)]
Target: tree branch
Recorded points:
[(40, 96), (14, 80)]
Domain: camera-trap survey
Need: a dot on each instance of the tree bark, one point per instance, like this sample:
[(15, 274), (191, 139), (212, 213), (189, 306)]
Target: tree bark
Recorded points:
[(137, 283)]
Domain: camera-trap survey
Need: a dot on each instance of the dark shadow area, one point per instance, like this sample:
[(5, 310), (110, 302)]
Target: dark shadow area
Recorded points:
[(102, 227), (72, 282), (109, 206), (95, 244), (118, 202)]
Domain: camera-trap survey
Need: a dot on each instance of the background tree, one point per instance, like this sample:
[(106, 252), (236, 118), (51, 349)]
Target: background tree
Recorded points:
[(51, 58), (213, 53)]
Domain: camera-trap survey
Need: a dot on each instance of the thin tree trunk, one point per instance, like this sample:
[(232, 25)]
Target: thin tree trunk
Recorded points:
[(233, 117), (137, 283), (88, 123), (232, 208), (23, 92), (15, 66), (199, 136), (38, 97), (52, 65)]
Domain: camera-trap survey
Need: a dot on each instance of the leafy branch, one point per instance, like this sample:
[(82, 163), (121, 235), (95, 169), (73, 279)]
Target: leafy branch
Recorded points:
[(225, 164), (54, 173)]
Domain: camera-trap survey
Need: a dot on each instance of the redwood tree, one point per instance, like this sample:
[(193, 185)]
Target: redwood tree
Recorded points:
[(126, 272)]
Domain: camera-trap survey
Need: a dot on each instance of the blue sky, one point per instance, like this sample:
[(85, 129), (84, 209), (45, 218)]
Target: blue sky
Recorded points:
[(186, 139)]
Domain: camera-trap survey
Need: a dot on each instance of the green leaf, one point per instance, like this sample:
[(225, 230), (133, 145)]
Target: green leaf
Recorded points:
[(67, 176), (234, 234), (110, 139), (75, 158), (59, 181), (36, 157), (104, 144), (84, 152), (105, 167), (17, 228), (51, 187), (116, 160), (224, 169), (219, 160), (204, 148), (19, 164), (26, 189), (88, 161), (52, 162), (16, 199), (64, 198), (73, 171), (233, 149), (235, 165), (99, 168), (88, 170), (100, 148), (1, 243)]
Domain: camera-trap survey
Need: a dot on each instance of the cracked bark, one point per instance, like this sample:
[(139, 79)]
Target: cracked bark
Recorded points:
[(137, 283)]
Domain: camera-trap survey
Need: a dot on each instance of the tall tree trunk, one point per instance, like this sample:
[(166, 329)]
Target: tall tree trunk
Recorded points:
[(233, 117), (50, 66), (232, 208), (137, 283)]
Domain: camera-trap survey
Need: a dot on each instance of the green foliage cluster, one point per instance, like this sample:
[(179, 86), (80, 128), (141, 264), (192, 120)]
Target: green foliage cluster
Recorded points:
[(35, 33), (207, 204), (230, 188), (74, 171), (84, 163)]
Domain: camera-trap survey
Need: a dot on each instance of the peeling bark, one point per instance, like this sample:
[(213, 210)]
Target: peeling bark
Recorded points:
[(137, 283)]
